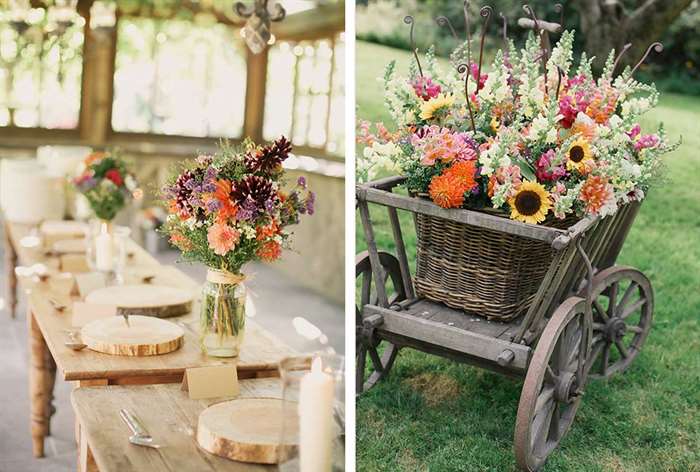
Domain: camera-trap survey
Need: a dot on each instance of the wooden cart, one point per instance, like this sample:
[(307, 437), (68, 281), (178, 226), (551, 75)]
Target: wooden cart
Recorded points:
[(588, 319)]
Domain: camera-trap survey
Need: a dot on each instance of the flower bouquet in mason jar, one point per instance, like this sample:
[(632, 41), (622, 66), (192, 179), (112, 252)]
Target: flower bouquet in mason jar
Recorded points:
[(226, 210), (107, 184)]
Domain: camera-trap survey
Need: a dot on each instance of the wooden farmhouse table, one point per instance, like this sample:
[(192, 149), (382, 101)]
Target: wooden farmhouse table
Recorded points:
[(170, 418), (260, 353)]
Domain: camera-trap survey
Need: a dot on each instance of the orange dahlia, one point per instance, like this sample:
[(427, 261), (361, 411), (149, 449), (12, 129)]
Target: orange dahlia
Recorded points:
[(463, 172), (596, 192), (447, 191)]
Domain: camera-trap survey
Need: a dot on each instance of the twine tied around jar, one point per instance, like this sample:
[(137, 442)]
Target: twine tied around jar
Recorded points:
[(224, 277)]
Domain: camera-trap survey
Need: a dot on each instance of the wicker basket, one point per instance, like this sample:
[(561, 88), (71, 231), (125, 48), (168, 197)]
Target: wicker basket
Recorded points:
[(480, 271)]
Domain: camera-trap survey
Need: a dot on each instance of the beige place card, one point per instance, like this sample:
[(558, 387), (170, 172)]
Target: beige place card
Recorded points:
[(83, 313), (211, 382), (89, 282), (74, 263)]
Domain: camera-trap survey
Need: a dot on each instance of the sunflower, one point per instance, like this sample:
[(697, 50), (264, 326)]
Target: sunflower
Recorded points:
[(432, 107), (530, 204), (579, 155)]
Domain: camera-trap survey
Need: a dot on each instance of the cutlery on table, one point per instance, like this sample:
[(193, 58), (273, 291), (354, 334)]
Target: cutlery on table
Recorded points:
[(139, 436), (59, 307)]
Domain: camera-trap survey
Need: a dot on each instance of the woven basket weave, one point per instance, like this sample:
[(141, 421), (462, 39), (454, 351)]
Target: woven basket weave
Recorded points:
[(480, 271)]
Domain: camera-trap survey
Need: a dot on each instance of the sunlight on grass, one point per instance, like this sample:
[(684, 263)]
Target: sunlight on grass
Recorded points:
[(645, 420)]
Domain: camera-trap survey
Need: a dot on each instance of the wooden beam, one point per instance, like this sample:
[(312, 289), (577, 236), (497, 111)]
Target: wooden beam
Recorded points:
[(322, 21), (256, 83)]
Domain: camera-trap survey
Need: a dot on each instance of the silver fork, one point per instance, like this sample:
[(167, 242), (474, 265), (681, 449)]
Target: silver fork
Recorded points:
[(140, 436)]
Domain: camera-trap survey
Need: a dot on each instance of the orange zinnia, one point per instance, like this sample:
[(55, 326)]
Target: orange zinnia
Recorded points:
[(447, 191), (463, 172)]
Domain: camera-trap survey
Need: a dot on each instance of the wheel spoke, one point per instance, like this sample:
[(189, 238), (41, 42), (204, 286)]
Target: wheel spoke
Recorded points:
[(549, 376), (621, 347), (635, 329), (544, 398), (632, 308), (598, 326), (600, 310), (612, 291), (554, 422), (626, 296), (540, 425)]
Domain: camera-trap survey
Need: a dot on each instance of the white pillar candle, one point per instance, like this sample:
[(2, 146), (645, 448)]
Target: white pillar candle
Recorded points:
[(104, 258), (316, 395)]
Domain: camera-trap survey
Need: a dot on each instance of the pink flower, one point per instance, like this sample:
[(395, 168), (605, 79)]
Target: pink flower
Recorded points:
[(475, 75), (544, 169), (634, 132), (425, 88), (646, 141), (441, 144), (222, 238)]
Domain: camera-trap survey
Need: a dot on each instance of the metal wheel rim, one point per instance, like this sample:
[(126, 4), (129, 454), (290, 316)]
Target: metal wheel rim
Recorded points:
[(381, 364), (544, 417), (625, 308)]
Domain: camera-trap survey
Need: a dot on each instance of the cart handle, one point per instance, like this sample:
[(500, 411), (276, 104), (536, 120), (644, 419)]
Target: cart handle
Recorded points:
[(573, 233)]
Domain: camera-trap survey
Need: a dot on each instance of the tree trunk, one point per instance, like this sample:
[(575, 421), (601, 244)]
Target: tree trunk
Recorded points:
[(606, 24)]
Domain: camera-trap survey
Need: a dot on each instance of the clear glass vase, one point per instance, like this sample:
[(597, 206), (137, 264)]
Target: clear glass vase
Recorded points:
[(222, 314)]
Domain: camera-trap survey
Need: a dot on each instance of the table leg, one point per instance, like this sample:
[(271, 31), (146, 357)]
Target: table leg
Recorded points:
[(39, 393), (50, 383), (86, 461), (10, 276)]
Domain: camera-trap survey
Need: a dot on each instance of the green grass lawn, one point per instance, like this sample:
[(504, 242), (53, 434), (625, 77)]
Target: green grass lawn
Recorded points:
[(437, 415)]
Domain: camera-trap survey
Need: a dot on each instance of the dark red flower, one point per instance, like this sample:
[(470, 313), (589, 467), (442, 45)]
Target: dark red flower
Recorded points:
[(269, 158), (115, 176)]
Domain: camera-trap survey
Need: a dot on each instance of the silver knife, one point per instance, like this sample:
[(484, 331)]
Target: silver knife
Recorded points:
[(133, 423)]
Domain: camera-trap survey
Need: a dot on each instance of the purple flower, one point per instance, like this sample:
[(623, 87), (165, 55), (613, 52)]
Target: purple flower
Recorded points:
[(213, 205), (310, 200), (301, 181)]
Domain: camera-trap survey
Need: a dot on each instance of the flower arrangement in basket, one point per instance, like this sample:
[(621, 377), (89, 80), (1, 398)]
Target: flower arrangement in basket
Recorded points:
[(107, 183), (226, 210), (533, 137)]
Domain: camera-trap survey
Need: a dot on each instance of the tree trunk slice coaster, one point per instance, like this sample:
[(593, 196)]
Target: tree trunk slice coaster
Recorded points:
[(247, 430), (144, 299), (143, 336), (69, 246), (56, 230)]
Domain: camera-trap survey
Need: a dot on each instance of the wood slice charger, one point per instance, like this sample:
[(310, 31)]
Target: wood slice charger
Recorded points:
[(247, 430), (143, 336), (144, 299)]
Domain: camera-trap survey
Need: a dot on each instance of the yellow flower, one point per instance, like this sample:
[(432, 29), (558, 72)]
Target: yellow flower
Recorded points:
[(530, 204), (579, 156), (429, 109), (495, 124)]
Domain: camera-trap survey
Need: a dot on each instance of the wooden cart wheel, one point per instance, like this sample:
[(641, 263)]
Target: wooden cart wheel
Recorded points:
[(553, 384), (381, 353), (623, 304)]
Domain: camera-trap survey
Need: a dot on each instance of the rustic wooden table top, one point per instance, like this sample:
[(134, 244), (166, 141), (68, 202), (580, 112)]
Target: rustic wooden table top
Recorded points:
[(260, 353), (169, 416)]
